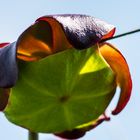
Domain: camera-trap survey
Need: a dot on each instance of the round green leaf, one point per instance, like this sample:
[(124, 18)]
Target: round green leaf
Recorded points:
[(61, 91)]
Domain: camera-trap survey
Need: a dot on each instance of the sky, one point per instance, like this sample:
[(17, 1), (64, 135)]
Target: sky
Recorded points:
[(16, 16)]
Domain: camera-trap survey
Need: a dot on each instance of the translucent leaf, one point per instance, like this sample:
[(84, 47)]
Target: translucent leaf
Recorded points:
[(119, 65), (62, 91)]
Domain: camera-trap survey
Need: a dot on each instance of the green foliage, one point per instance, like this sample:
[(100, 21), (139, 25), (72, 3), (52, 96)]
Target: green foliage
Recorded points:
[(61, 91)]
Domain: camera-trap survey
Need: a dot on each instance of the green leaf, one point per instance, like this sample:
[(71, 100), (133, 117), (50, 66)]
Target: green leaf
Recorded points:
[(61, 91)]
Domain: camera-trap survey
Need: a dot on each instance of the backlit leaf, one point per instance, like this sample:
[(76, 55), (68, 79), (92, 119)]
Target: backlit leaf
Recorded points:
[(61, 91)]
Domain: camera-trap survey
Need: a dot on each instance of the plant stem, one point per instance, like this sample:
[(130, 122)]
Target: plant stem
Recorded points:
[(121, 35), (32, 136)]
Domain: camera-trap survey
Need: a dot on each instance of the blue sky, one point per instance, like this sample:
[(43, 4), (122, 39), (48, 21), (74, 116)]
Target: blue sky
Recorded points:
[(16, 16)]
